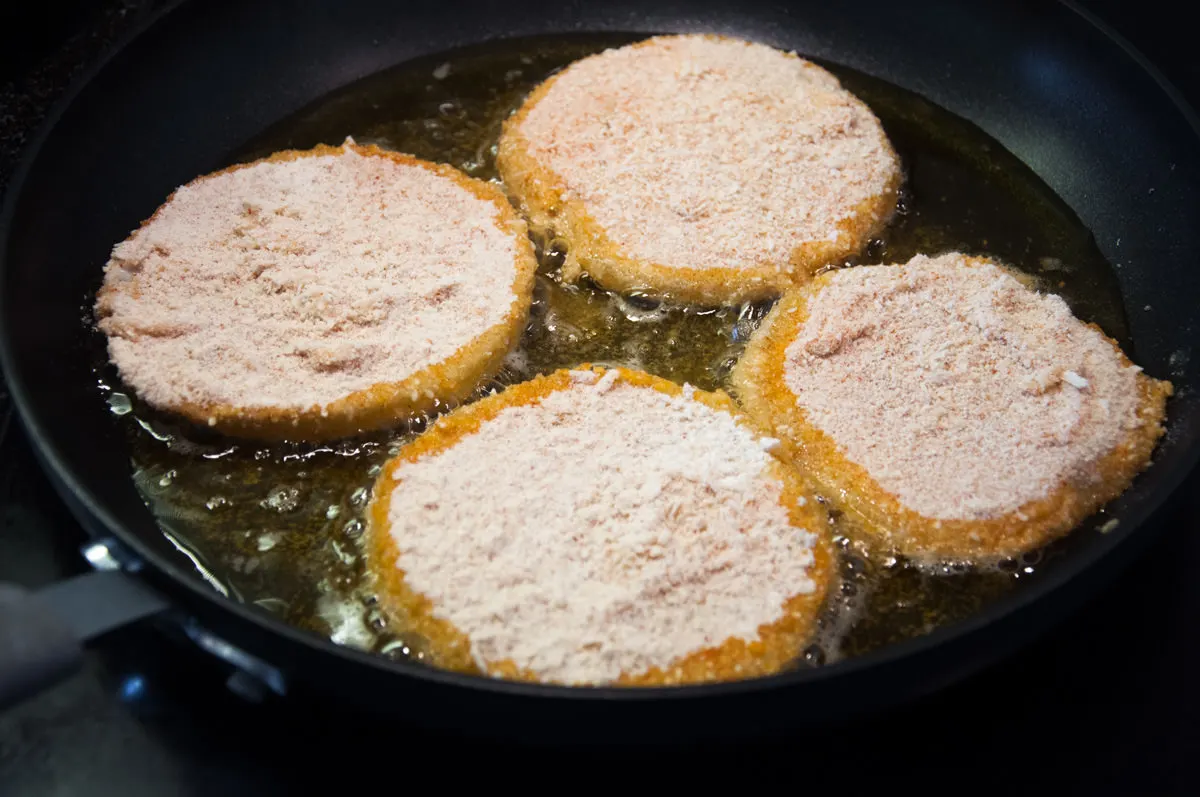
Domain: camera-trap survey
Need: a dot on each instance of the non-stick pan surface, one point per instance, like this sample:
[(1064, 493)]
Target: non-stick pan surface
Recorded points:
[(1063, 95)]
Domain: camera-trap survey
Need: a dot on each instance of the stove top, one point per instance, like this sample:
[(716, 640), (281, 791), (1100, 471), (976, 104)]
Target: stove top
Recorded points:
[(1107, 703)]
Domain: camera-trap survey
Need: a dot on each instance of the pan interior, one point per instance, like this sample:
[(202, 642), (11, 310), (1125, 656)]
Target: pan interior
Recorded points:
[(280, 526)]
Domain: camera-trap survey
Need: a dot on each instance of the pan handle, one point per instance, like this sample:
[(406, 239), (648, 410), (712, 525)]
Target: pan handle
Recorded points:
[(42, 632)]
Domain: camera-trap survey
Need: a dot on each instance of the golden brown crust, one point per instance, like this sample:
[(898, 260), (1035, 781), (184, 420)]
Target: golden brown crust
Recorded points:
[(541, 196), (387, 403), (779, 643), (759, 385)]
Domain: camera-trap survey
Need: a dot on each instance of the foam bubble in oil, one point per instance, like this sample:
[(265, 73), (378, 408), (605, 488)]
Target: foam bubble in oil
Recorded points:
[(119, 404)]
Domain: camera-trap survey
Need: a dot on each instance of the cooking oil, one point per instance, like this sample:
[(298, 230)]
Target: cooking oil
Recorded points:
[(279, 526)]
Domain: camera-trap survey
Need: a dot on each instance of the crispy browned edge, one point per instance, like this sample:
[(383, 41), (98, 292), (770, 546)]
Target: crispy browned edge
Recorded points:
[(387, 403), (540, 195), (758, 382), (778, 644)]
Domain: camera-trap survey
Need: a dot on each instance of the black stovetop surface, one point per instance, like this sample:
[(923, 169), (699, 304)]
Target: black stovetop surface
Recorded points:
[(1108, 703)]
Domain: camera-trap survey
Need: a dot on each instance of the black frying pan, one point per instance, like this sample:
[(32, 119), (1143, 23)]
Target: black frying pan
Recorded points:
[(1063, 94)]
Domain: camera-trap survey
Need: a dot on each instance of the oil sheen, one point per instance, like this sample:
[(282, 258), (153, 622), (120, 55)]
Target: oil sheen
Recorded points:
[(280, 526)]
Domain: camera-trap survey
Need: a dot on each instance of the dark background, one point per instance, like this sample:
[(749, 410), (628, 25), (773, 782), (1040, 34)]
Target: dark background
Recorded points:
[(1108, 703)]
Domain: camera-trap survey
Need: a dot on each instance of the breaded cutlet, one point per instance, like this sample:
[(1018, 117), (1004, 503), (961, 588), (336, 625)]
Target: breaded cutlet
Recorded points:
[(702, 169), (956, 412), (599, 526), (316, 294)]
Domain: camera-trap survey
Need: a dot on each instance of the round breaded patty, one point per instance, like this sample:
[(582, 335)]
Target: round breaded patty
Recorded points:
[(316, 294), (599, 526), (953, 410), (699, 168)]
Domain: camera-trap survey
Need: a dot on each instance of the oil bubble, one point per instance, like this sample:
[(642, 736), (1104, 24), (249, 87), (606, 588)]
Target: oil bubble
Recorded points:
[(853, 566), (404, 647), (282, 499), (344, 556), (119, 404)]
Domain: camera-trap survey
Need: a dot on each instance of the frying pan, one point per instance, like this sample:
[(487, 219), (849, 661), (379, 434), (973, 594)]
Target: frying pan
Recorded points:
[(1062, 93)]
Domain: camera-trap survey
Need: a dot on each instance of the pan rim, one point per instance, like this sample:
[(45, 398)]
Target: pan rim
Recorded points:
[(1005, 609)]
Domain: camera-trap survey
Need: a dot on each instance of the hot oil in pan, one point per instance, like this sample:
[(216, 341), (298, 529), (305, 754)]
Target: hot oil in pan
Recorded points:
[(280, 526)]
